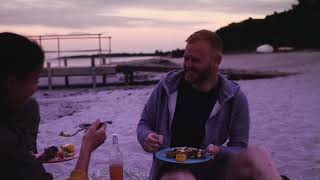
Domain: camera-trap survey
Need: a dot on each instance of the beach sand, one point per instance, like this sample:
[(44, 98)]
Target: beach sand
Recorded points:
[(284, 115)]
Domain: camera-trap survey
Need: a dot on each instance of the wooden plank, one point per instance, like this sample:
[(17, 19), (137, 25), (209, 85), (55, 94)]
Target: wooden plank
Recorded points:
[(79, 71), (110, 69), (76, 71), (126, 68)]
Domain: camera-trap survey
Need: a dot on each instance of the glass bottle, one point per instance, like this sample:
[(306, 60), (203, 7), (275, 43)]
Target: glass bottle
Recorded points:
[(115, 161)]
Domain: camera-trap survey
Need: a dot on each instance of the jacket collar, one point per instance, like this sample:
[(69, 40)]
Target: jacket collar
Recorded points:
[(172, 80)]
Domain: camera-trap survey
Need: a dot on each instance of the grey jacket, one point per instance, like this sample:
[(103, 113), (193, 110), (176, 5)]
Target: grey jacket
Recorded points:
[(229, 118)]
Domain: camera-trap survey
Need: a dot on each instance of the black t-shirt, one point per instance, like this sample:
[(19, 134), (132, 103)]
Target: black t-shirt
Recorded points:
[(193, 108)]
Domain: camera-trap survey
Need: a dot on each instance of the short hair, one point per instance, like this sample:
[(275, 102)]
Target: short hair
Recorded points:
[(210, 37), (19, 56), (172, 169)]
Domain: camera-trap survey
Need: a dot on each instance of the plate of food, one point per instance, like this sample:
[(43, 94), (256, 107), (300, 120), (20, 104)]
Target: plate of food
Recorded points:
[(185, 155), (54, 154)]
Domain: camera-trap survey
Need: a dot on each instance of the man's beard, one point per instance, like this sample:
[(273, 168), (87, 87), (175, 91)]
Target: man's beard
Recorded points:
[(195, 77)]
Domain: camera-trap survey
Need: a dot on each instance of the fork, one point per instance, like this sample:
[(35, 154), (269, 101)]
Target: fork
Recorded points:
[(83, 126), (87, 125)]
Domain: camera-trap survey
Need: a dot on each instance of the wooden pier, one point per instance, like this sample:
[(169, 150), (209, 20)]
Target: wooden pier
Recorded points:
[(128, 69)]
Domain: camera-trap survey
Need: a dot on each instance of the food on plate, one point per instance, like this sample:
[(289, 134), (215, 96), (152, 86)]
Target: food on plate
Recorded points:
[(49, 153), (54, 153), (68, 148), (184, 153), (180, 157)]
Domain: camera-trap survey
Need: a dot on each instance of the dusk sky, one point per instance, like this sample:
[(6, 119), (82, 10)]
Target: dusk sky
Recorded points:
[(135, 25)]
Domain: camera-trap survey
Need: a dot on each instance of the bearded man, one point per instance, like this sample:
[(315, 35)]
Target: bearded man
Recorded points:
[(196, 107)]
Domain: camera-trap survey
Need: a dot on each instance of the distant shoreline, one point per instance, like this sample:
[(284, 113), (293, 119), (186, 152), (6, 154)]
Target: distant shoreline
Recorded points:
[(119, 55)]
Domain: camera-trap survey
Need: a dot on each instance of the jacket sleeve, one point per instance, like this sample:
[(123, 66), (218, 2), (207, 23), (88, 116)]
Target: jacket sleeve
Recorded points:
[(27, 122), (238, 126), (31, 131), (16, 162), (148, 117), (78, 175)]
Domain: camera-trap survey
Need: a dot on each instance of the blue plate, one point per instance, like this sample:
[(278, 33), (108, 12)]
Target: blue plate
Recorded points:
[(162, 155)]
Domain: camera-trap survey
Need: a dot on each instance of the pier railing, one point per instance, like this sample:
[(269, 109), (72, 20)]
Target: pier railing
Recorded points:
[(60, 39)]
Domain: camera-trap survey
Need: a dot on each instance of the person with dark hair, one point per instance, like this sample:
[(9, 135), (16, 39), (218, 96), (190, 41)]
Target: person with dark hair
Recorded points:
[(21, 61), (196, 107), (177, 173), (252, 163)]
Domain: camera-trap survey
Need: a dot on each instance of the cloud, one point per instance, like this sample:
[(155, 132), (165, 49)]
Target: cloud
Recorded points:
[(125, 13)]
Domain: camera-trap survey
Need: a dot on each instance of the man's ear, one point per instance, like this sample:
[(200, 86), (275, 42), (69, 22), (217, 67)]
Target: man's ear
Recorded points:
[(217, 59)]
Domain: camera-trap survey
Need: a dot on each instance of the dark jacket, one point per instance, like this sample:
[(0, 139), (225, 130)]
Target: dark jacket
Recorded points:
[(27, 120), (16, 162)]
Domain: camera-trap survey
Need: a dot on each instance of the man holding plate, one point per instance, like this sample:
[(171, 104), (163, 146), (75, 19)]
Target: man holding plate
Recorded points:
[(196, 107)]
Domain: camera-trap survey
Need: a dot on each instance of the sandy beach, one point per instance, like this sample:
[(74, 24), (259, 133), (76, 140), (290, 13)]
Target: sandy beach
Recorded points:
[(284, 115)]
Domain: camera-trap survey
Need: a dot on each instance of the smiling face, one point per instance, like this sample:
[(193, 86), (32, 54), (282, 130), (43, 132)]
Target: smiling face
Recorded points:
[(200, 62), (20, 90)]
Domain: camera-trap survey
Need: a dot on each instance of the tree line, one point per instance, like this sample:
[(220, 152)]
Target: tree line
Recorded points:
[(298, 27)]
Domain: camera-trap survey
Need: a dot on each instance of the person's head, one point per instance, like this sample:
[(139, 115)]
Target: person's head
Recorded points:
[(178, 174), (21, 61), (202, 57)]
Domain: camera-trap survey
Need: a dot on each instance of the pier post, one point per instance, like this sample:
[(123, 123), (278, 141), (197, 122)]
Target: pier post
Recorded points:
[(93, 72), (49, 76), (104, 80), (66, 78), (128, 75)]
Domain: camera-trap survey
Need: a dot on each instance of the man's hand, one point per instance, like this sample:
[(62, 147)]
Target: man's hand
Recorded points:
[(213, 149), (152, 142), (94, 137)]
